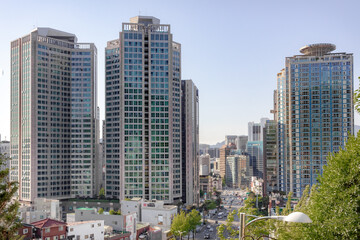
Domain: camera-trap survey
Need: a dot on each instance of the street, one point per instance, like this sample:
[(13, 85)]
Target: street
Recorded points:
[(231, 200)]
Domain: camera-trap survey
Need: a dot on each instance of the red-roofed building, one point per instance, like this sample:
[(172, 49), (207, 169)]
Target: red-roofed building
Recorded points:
[(49, 229)]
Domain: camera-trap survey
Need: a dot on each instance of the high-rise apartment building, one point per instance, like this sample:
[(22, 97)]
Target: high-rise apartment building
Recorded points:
[(190, 142), (53, 115), (143, 112), (314, 111)]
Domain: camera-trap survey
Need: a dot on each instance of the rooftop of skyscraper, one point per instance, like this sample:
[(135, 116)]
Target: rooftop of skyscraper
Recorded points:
[(317, 49), (146, 20)]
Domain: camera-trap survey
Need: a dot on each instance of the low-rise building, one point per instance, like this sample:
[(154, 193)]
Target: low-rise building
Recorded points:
[(215, 181), (49, 229), (69, 205), (158, 214), (120, 223), (39, 209), (26, 231), (132, 206), (92, 230), (257, 185)]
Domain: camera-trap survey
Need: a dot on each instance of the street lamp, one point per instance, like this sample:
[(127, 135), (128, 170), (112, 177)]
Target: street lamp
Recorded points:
[(297, 217)]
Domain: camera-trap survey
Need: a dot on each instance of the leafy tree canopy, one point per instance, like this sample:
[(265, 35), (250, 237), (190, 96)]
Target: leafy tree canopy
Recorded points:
[(9, 222)]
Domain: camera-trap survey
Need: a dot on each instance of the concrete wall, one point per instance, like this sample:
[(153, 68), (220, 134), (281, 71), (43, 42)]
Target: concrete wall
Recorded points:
[(115, 221), (131, 206), (159, 216), (87, 230)]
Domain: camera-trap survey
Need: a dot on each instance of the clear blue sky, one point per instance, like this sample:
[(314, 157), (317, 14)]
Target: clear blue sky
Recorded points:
[(232, 50)]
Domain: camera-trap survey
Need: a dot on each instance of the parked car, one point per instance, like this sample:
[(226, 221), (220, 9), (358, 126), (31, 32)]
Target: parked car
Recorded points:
[(208, 226), (206, 236), (211, 230)]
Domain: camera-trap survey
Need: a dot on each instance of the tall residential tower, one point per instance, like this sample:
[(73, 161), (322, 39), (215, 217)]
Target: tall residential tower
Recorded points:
[(143, 116), (190, 142), (314, 111), (53, 115)]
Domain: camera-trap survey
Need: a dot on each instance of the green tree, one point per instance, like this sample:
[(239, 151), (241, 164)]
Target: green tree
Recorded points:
[(102, 193), (334, 204), (256, 229), (9, 222), (194, 220), (101, 211), (180, 225), (112, 212), (118, 212), (228, 227), (357, 100)]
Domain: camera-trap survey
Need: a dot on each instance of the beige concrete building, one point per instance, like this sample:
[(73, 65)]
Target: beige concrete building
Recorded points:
[(53, 115)]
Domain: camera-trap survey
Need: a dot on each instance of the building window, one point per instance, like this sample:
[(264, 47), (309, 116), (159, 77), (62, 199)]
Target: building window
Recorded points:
[(71, 229), (25, 231), (86, 236), (47, 230), (92, 225), (56, 238), (62, 236), (48, 238), (99, 224), (61, 228)]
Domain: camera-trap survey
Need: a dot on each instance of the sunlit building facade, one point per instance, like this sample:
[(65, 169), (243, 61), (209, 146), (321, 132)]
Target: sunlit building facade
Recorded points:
[(143, 116), (53, 115), (314, 111)]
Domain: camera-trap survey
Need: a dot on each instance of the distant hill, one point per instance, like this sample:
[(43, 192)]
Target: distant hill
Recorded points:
[(206, 146), (218, 145)]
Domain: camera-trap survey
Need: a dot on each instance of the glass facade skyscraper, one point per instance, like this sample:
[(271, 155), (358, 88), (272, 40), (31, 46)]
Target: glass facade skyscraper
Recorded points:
[(53, 115), (143, 122), (314, 112)]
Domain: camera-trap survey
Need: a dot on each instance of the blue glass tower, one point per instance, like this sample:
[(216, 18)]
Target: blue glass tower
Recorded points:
[(314, 112)]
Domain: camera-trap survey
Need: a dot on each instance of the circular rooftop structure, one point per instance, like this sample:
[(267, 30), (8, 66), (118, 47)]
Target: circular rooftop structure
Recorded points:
[(317, 49)]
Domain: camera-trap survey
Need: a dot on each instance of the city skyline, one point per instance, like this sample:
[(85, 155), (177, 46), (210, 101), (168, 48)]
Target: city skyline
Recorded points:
[(237, 55)]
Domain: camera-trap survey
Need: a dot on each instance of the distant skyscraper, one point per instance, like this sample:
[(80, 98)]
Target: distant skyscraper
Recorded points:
[(230, 139), (213, 152), (270, 157), (314, 111), (224, 152), (255, 130), (5, 151), (143, 121), (241, 142), (190, 142), (53, 115), (255, 152)]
